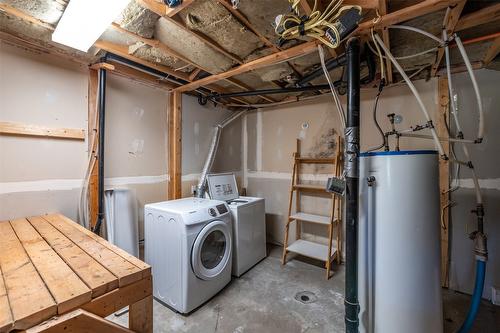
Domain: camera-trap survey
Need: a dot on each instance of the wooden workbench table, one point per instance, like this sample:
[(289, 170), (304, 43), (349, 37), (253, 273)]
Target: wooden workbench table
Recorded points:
[(50, 265)]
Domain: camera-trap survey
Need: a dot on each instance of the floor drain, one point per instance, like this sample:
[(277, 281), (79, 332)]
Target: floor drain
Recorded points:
[(306, 297)]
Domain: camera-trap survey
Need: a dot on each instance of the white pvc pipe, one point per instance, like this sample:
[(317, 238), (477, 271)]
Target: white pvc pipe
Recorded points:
[(474, 84), (415, 93)]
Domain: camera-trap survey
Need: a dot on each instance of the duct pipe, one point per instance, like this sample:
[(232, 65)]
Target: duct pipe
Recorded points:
[(100, 150), (351, 169), (200, 188)]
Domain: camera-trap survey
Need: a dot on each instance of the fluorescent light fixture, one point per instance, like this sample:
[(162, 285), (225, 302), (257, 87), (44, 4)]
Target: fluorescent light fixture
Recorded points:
[(84, 21)]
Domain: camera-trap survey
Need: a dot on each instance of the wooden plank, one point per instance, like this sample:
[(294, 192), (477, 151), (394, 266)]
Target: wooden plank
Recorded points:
[(450, 28), (405, 14), (444, 177), (103, 65), (140, 316), (125, 255), (95, 276), (6, 321), (293, 52), (65, 286), (482, 16), (121, 268), (119, 298), (173, 11), (36, 130), (175, 146), (30, 301), (78, 321), (163, 10), (492, 52)]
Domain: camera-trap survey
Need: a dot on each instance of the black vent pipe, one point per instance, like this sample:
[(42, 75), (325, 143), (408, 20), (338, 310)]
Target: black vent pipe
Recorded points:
[(351, 168), (100, 149)]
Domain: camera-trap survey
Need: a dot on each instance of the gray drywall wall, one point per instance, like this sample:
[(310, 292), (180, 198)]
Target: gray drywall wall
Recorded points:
[(40, 175), (136, 141), (197, 130), (486, 160)]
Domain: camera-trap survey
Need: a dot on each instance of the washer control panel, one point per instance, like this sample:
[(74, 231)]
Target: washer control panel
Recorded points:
[(212, 212)]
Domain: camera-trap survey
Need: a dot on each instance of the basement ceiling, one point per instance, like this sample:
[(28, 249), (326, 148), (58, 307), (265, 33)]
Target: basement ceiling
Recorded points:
[(209, 37)]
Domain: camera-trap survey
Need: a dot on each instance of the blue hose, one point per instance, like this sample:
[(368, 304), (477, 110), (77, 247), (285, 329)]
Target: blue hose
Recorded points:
[(476, 297)]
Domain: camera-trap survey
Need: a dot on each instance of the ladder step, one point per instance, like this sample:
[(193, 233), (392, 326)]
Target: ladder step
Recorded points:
[(312, 249), (313, 188), (309, 160), (320, 219)]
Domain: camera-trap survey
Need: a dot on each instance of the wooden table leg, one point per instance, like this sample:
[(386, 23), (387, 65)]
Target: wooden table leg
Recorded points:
[(141, 315)]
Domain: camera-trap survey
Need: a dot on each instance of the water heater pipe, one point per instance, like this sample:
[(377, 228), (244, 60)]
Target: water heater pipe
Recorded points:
[(201, 188), (351, 169)]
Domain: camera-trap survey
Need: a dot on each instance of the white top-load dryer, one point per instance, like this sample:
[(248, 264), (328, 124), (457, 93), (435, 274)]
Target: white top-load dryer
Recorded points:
[(249, 222), (188, 243)]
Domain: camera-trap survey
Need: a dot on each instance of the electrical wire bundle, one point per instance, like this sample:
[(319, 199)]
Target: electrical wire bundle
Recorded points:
[(329, 26)]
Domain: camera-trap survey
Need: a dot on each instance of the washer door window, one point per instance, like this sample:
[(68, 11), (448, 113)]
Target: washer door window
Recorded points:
[(211, 250)]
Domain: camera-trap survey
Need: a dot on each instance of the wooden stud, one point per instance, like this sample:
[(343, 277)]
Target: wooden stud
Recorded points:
[(175, 146), (78, 321), (93, 137), (453, 18), (492, 52), (272, 59), (482, 16), (95, 276), (30, 301), (298, 224), (65, 286), (444, 176), (36, 130)]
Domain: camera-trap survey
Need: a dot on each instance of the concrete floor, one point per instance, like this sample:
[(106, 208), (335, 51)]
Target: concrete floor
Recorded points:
[(265, 300)]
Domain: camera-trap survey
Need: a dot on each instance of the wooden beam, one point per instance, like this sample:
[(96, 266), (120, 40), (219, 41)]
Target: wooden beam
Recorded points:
[(272, 59), (382, 8), (460, 68), (93, 137), (194, 74), (174, 114), (444, 176), (453, 18), (163, 10), (158, 9), (405, 14), (23, 16), (492, 52), (482, 16), (36, 130)]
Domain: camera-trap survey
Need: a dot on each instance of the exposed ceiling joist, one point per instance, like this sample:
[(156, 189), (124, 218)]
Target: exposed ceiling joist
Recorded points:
[(23, 16), (405, 14), (492, 52), (450, 25), (482, 16), (272, 59)]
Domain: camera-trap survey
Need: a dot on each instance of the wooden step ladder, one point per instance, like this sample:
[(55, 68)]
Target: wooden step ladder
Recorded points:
[(333, 222)]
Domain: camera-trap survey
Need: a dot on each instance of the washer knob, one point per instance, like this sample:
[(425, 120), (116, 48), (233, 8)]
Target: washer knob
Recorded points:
[(212, 212)]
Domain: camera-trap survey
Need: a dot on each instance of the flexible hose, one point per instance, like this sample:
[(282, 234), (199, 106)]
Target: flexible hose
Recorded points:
[(476, 297), (461, 48), (415, 92), (336, 97)]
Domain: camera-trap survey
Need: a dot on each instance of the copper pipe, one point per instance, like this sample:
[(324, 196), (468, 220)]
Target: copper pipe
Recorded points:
[(478, 39)]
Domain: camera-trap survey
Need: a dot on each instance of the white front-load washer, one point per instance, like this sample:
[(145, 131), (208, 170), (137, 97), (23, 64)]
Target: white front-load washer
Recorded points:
[(188, 243), (249, 222)]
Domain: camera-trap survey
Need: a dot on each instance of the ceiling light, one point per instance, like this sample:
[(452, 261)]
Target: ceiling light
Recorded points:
[(84, 21)]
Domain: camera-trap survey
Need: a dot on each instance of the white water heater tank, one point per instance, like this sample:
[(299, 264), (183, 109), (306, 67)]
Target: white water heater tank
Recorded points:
[(399, 265)]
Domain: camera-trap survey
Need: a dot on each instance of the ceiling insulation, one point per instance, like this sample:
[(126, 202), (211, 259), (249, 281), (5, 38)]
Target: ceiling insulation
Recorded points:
[(215, 21), (138, 19), (47, 11)]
